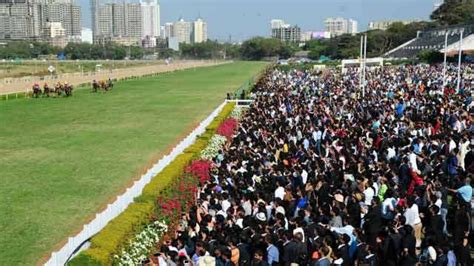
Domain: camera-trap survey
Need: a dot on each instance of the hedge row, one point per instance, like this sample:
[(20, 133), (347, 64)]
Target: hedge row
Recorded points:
[(124, 227)]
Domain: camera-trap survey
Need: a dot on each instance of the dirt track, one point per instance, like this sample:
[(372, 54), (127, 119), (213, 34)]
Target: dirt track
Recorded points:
[(19, 85)]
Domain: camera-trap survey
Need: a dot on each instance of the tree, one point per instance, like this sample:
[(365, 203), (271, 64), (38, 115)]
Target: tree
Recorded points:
[(167, 53), (259, 48), (430, 56), (136, 52), (25, 49), (204, 50), (453, 12)]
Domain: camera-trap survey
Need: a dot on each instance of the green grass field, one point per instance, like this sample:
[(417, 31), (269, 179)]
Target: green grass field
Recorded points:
[(64, 159)]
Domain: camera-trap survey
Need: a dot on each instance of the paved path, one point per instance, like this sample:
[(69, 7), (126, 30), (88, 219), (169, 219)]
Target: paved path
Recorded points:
[(19, 85)]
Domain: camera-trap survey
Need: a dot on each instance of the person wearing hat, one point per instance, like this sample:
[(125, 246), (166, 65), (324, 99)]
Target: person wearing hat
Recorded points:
[(207, 261)]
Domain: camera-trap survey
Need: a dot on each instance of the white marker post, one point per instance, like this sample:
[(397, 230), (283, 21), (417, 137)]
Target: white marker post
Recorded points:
[(445, 55), (459, 61)]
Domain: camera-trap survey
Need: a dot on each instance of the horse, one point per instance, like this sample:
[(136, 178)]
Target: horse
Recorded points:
[(46, 90), (95, 86), (36, 90), (58, 89), (110, 84), (68, 90), (104, 85)]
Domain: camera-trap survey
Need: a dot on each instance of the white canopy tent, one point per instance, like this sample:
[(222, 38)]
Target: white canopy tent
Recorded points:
[(467, 46)]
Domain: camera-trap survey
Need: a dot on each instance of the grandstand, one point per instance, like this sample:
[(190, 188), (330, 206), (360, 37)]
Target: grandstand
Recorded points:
[(430, 40)]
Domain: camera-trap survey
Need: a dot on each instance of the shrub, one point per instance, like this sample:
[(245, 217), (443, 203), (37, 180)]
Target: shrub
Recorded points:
[(201, 169), (227, 128)]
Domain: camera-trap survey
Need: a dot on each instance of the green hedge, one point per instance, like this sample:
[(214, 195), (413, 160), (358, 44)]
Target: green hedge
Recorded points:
[(124, 227)]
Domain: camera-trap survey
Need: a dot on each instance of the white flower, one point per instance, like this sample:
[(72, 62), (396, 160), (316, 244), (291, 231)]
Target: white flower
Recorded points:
[(140, 247), (216, 143), (237, 113)]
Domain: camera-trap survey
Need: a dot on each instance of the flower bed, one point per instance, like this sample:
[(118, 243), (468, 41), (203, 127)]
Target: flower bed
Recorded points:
[(215, 145), (120, 233), (201, 169), (139, 249), (227, 128), (237, 113)]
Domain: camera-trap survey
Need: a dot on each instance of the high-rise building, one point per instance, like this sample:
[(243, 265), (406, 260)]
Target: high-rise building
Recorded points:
[(182, 30), (277, 23), (17, 21), (199, 31), (168, 30), (285, 32), (86, 35), (150, 18), (67, 14), (133, 21), (339, 26), (31, 19), (120, 23)]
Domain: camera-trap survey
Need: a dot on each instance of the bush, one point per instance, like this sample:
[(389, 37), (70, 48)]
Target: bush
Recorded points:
[(430, 56), (117, 233)]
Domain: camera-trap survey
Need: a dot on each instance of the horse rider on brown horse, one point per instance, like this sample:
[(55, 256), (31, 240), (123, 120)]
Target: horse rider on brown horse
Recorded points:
[(36, 90)]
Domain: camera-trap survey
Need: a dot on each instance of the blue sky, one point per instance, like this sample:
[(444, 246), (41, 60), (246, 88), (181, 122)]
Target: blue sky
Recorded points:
[(242, 19)]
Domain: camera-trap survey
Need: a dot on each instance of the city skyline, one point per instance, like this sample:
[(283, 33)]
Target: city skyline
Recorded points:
[(243, 19)]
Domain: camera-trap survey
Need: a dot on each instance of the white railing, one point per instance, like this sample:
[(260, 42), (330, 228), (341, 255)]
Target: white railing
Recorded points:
[(241, 103), (63, 255)]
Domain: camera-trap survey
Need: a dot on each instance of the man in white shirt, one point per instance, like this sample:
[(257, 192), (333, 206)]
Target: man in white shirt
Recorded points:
[(225, 204), (391, 153), (279, 191), (412, 158), (413, 219)]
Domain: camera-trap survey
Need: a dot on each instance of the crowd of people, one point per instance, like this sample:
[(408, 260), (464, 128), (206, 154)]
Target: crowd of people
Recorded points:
[(319, 175)]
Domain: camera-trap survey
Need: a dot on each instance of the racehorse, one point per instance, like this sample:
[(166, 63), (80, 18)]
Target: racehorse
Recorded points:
[(68, 89), (95, 86), (58, 89), (46, 90), (36, 90), (106, 85)]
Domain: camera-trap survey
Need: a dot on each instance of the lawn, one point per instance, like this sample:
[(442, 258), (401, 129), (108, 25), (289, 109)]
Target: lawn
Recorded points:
[(64, 159)]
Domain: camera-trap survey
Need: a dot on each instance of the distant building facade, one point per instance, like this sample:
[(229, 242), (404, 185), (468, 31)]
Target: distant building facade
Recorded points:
[(86, 35), (339, 26), (187, 32), (277, 23), (150, 18), (285, 32), (199, 31), (314, 35), (385, 24), (120, 23), (126, 23), (182, 31), (36, 19)]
